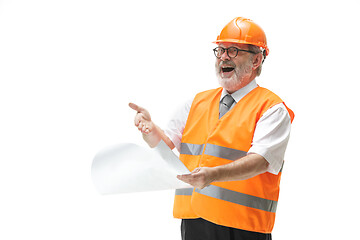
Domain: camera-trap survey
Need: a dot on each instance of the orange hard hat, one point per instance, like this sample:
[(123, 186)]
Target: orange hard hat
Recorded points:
[(243, 30)]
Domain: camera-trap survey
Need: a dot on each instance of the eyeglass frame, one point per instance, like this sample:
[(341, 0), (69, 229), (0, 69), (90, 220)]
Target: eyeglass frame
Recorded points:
[(227, 51)]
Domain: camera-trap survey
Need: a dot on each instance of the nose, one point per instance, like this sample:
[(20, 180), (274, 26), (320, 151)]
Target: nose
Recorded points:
[(225, 56)]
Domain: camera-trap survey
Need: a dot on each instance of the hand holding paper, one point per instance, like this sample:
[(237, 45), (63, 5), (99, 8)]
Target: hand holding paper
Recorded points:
[(200, 177)]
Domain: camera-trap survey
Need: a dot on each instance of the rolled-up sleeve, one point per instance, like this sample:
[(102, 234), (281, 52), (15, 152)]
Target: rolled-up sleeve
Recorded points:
[(271, 136)]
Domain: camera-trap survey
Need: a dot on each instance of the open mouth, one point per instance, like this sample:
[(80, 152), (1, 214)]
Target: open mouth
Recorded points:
[(227, 69)]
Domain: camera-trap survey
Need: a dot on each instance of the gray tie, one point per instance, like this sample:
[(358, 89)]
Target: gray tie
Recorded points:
[(225, 105)]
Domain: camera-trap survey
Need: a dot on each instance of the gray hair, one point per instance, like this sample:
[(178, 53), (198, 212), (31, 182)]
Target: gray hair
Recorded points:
[(257, 50)]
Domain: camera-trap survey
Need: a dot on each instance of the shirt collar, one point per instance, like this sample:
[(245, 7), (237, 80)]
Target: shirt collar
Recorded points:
[(239, 94)]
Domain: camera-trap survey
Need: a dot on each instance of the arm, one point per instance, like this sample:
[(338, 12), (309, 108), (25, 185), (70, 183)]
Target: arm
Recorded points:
[(152, 134), (241, 169)]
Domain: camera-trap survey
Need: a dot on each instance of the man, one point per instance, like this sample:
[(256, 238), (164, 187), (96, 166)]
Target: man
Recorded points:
[(233, 139)]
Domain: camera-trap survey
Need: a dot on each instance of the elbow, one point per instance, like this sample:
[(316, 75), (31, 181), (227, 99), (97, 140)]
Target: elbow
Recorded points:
[(262, 165)]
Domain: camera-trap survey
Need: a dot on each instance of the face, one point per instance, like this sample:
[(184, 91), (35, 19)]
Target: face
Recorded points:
[(234, 73)]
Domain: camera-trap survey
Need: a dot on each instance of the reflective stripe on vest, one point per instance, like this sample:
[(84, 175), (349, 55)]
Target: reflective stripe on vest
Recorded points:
[(232, 196), (191, 149), (212, 150), (239, 198), (184, 191)]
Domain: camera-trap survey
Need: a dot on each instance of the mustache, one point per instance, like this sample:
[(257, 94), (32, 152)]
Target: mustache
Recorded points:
[(227, 63)]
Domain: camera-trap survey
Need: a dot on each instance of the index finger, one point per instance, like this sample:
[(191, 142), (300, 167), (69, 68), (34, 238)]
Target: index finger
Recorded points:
[(136, 107)]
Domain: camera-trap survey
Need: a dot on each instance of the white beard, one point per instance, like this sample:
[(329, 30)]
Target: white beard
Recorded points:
[(241, 74), (228, 83)]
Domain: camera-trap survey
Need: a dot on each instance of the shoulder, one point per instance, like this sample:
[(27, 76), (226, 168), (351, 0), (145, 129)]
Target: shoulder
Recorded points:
[(267, 93), (275, 100)]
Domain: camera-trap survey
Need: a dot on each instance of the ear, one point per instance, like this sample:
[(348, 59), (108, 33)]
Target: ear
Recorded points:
[(257, 59)]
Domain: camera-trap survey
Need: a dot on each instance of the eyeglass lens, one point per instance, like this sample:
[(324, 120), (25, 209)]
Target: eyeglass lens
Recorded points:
[(231, 52)]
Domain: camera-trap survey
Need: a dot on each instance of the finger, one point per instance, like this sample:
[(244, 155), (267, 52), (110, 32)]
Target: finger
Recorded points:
[(140, 126), (136, 107), (182, 178), (185, 177), (139, 118), (137, 121)]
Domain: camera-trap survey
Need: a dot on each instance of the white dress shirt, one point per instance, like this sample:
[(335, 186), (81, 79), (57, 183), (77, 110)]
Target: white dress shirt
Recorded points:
[(271, 134)]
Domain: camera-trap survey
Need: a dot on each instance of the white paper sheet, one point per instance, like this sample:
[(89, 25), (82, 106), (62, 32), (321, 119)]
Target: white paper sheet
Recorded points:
[(128, 167)]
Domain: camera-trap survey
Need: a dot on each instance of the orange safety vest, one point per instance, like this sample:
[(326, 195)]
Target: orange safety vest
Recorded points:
[(208, 141)]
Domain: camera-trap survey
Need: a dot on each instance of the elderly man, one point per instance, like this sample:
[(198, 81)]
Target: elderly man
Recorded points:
[(233, 139)]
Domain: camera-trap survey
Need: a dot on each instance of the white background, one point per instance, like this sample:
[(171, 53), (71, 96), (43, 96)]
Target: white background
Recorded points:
[(69, 68)]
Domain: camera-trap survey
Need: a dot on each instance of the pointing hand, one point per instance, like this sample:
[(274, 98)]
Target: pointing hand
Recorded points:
[(142, 119)]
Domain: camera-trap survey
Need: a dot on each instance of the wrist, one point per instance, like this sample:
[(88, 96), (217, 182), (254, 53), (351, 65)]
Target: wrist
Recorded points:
[(152, 138), (215, 173)]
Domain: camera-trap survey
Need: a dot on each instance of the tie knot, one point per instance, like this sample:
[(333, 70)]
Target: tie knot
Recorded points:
[(228, 100)]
